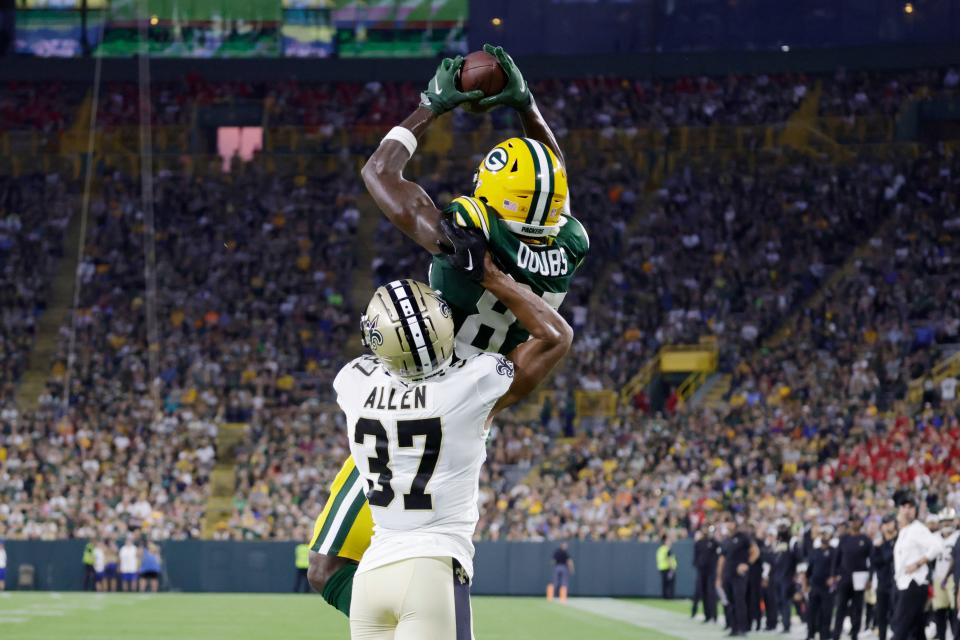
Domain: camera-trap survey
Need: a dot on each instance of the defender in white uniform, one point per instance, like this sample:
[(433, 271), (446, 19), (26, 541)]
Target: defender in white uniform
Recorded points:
[(417, 422)]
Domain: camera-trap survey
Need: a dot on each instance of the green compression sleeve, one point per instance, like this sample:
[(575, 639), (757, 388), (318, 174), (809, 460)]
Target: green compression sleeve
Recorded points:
[(339, 588)]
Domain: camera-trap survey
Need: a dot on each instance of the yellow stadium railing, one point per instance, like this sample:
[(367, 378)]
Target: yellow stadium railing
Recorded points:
[(690, 385), (948, 367), (640, 379)]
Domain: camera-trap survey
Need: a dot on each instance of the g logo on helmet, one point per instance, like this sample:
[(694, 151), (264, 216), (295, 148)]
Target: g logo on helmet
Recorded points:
[(496, 160)]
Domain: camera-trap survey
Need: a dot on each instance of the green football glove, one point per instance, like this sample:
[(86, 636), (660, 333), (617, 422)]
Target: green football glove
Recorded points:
[(515, 93), (442, 94)]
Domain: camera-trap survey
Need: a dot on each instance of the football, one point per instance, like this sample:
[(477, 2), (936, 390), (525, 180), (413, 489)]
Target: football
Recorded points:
[(480, 70)]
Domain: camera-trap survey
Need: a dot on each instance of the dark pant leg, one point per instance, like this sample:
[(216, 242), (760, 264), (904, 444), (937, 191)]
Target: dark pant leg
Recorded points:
[(663, 583), (89, 578), (813, 613), (741, 614), (940, 620), (671, 584), (561, 577), (770, 604), (894, 607), (698, 594), (728, 609), (784, 596), (821, 610), (844, 590), (753, 599), (856, 613), (884, 602), (710, 597), (826, 615), (908, 618), (301, 584)]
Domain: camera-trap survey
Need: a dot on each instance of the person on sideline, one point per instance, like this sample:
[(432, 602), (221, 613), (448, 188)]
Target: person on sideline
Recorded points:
[(915, 548), (89, 574), (150, 569), (667, 566), (705, 563), (301, 560), (129, 565), (3, 566), (110, 573), (562, 570), (99, 567)]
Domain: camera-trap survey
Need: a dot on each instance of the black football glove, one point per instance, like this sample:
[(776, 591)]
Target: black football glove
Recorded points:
[(463, 248)]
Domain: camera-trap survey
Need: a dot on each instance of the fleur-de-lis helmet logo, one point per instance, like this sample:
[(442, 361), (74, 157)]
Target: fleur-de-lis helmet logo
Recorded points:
[(444, 307), (371, 335)]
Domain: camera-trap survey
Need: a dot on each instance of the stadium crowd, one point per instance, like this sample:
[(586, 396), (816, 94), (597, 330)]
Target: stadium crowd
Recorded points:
[(722, 249), (34, 212), (233, 258), (40, 106), (597, 102)]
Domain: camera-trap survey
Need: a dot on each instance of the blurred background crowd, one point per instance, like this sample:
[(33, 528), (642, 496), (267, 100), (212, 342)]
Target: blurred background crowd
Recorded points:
[(826, 278)]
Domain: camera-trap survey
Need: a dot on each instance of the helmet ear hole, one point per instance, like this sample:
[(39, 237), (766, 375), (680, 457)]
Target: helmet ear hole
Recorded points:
[(513, 169)]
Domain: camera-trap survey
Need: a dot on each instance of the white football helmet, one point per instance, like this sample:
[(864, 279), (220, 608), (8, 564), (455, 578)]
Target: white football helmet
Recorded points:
[(409, 328)]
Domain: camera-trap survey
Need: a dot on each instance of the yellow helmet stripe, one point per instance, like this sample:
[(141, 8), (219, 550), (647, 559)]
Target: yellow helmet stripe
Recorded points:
[(543, 190)]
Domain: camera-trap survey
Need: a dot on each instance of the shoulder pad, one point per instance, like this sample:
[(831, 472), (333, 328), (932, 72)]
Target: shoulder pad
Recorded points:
[(470, 213), (574, 236)]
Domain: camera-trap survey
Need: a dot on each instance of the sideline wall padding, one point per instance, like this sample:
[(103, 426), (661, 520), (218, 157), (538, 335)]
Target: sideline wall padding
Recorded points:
[(501, 568)]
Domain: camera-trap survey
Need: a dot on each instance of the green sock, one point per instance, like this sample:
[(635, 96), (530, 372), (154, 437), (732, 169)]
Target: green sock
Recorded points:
[(339, 588)]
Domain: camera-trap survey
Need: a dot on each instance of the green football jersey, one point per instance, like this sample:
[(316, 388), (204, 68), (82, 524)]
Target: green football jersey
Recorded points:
[(483, 323)]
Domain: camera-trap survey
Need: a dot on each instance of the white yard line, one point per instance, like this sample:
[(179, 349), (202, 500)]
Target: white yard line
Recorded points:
[(668, 622), (55, 606), (33, 612)]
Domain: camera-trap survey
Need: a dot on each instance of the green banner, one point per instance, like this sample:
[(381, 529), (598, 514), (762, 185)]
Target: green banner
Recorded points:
[(198, 10)]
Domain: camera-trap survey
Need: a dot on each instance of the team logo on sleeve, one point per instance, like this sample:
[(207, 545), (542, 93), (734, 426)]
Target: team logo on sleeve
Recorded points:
[(496, 160), (504, 367)]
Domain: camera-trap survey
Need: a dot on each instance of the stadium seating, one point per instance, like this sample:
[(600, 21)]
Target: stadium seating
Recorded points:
[(34, 211), (797, 264)]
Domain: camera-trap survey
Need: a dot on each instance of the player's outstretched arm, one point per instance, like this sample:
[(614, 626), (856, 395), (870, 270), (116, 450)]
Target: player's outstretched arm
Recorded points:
[(516, 93), (403, 202), (550, 335)]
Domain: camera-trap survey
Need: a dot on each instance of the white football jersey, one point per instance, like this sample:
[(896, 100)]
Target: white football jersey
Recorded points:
[(418, 448)]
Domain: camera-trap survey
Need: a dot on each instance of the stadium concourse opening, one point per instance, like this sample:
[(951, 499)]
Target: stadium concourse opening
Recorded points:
[(667, 326), (239, 142)]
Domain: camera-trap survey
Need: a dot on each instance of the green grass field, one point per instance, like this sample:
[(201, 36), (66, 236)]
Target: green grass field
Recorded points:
[(43, 616)]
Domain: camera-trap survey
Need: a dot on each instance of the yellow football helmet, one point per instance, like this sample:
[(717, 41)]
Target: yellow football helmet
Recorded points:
[(522, 180), (409, 328)]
